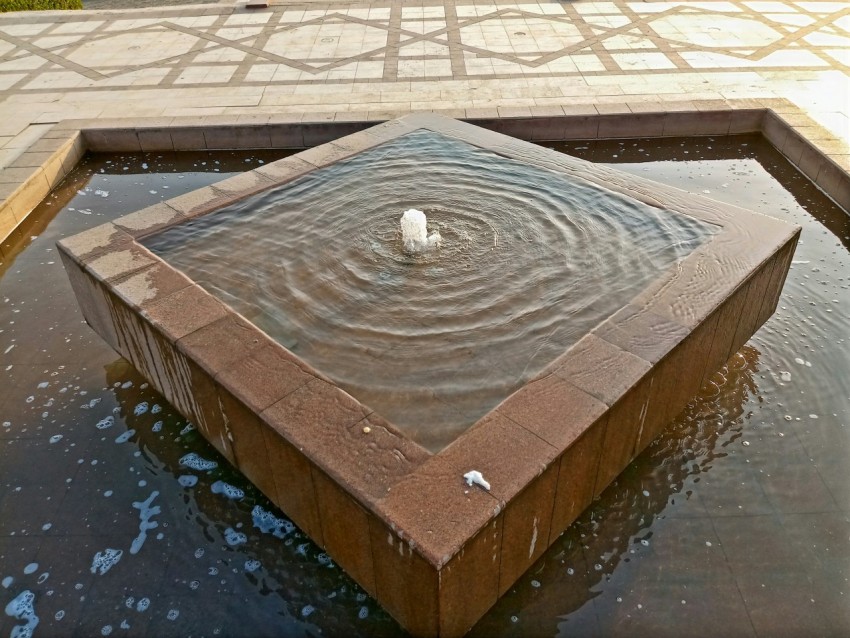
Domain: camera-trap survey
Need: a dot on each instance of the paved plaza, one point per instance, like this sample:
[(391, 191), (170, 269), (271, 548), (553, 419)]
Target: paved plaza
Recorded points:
[(694, 540), (376, 60)]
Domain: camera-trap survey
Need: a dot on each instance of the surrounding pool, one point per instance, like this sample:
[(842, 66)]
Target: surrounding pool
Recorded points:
[(736, 520)]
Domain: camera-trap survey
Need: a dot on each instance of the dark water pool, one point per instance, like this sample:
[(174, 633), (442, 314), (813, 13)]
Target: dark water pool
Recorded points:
[(736, 521)]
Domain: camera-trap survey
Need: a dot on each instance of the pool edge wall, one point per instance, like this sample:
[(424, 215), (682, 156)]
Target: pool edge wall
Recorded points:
[(434, 552)]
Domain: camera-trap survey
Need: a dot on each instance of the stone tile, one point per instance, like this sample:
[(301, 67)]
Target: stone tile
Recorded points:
[(782, 262), (356, 448), (199, 202), (683, 124), (149, 220), (631, 125), (85, 245), (553, 409), (184, 312), (285, 169), (345, 530), (150, 285), (506, 454), (469, 583), (626, 419), (266, 375), (122, 261), (155, 139), (187, 138), (526, 527), (642, 333), (406, 583), (576, 487), (437, 533), (601, 369), (291, 472)]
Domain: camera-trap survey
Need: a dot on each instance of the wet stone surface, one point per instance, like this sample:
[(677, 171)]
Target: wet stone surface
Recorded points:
[(117, 518)]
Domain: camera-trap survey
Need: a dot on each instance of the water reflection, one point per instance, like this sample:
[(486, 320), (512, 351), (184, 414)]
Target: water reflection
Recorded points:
[(619, 527)]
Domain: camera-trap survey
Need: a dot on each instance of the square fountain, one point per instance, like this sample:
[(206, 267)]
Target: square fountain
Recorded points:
[(356, 381)]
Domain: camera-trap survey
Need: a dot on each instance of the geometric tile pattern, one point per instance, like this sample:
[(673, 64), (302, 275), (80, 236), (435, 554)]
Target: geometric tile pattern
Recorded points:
[(389, 42)]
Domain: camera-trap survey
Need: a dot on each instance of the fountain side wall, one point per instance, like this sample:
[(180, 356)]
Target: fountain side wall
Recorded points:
[(435, 552)]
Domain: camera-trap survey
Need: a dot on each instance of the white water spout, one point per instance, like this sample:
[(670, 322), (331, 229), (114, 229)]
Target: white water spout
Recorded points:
[(414, 232)]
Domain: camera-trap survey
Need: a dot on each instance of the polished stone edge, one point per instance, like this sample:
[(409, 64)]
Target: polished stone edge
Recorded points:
[(435, 552)]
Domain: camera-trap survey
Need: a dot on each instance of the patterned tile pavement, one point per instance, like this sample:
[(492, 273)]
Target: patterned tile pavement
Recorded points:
[(383, 58)]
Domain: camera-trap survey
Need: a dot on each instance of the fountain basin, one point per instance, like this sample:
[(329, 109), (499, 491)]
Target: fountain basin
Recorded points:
[(433, 550)]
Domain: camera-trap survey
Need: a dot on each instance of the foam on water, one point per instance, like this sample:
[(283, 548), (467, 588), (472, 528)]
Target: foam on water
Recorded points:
[(126, 436), (31, 568), (268, 523), (146, 512), (228, 490), (233, 538), (105, 422), (22, 607), (195, 462), (188, 480), (105, 560)]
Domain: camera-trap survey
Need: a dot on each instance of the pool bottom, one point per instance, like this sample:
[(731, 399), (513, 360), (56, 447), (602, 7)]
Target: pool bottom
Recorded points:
[(358, 477)]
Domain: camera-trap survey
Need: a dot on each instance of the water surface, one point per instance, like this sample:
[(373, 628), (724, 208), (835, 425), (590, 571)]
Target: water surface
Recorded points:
[(530, 261), (740, 509)]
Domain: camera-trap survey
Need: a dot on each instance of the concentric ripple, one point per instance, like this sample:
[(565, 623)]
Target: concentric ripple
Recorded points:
[(530, 261)]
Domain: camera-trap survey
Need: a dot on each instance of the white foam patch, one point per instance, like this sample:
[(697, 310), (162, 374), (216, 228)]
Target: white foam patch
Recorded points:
[(233, 538), (55, 438), (189, 428), (22, 607), (90, 404), (195, 462), (146, 512), (252, 565), (105, 422), (156, 408), (126, 436), (188, 480), (156, 426), (228, 490), (105, 560), (30, 569), (143, 604), (268, 523), (7, 582), (140, 408)]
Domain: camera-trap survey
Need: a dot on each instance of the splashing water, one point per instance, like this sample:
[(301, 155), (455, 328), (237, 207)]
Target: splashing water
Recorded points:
[(414, 232)]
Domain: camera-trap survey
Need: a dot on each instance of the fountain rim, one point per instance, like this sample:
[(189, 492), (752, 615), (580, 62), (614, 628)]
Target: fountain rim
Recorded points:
[(511, 445)]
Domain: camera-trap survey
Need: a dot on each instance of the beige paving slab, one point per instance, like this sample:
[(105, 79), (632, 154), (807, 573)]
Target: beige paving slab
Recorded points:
[(382, 58)]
